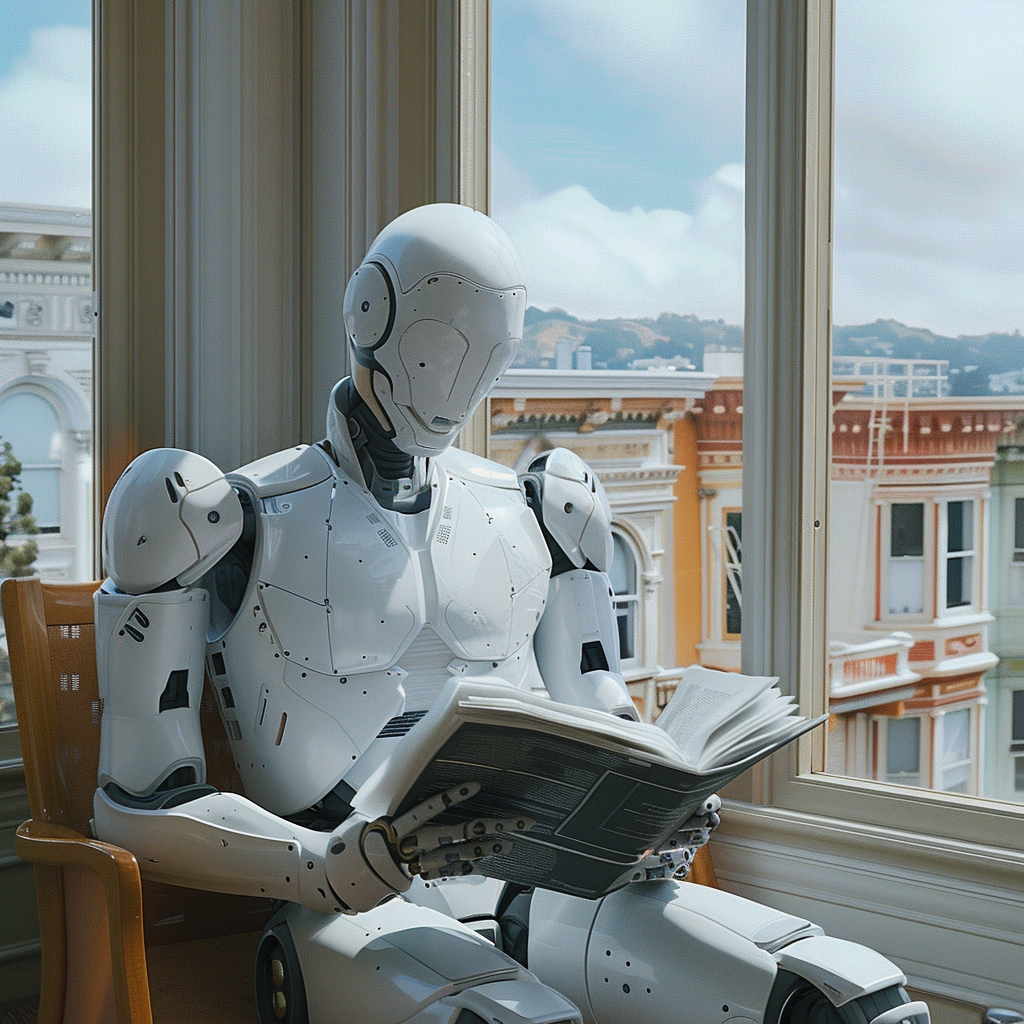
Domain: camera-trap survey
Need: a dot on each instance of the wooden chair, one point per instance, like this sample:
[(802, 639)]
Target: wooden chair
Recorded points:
[(114, 948)]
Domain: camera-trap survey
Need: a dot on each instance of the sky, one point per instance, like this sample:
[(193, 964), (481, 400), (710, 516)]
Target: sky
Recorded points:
[(617, 156), (617, 151), (45, 102)]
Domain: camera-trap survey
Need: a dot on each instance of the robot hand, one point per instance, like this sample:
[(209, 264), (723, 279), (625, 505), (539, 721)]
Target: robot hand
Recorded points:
[(369, 860), (675, 858), (434, 850)]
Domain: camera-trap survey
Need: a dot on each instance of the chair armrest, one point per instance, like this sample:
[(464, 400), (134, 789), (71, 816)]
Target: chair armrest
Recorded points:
[(57, 846)]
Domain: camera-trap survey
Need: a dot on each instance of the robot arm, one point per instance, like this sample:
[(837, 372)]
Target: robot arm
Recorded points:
[(170, 517), (576, 642)]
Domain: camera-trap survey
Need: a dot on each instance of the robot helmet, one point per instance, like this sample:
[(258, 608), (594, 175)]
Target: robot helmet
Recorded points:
[(435, 311), (171, 516)]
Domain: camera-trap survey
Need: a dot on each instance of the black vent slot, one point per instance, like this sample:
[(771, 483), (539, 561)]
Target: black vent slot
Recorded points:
[(400, 724), (592, 657), (175, 693), (217, 665)]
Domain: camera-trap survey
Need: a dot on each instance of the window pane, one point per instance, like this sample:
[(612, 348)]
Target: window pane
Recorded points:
[(903, 751), (928, 269), (32, 427), (958, 582), (624, 192), (956, 750), (623, 570), (907, 530), (960, 519), (1018, 529), (906, 587), (1017, 724), (46, 314)]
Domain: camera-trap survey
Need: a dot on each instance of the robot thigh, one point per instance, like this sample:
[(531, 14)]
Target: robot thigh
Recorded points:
[(675, 951), (395, 964)]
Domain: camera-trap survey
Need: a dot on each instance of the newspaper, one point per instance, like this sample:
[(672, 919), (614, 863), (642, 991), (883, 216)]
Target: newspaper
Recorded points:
[(603, 791)]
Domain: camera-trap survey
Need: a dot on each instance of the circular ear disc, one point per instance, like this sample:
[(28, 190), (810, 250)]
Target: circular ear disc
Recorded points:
[(369, 306)]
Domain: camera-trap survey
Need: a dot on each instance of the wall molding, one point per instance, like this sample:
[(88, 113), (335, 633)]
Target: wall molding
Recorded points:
[(949, 916)]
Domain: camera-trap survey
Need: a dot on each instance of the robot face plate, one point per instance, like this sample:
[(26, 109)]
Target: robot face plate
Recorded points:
[(446, 359), (436, 311)]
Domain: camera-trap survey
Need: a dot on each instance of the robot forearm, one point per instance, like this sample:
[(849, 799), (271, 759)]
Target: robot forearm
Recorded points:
[(577, 645), (226, 843)]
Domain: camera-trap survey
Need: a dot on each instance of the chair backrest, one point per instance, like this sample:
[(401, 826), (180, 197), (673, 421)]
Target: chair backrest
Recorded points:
[(52, 648)]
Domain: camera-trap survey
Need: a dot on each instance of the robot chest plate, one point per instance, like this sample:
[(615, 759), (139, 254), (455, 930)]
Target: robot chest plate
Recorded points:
[(347, 587)]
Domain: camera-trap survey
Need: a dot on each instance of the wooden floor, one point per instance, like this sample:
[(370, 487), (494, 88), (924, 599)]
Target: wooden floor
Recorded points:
[(208, 981)]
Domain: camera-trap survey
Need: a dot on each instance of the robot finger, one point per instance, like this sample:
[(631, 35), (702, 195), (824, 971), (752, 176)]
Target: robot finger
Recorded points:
[(458, 858), (422, 813), (432, 837), (712, 805)]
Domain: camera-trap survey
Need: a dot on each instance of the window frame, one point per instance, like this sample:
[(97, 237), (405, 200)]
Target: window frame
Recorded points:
[(789, 218), (788, 336)]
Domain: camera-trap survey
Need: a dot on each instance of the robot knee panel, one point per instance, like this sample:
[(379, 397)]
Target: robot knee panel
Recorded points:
[(406, 964)]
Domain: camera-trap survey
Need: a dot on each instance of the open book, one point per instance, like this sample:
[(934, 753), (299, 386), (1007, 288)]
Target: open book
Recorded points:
[(602, 790)]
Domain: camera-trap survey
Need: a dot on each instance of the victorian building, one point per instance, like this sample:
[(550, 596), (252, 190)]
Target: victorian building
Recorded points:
[(926, 550)]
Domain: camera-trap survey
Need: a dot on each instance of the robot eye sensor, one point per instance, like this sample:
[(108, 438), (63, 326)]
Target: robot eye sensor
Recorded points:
[(364, 300)]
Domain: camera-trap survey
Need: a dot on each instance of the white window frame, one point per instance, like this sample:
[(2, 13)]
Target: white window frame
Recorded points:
[(632, 598)]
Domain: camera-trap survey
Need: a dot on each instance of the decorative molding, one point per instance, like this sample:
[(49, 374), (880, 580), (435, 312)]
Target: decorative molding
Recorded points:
[(518, 382), (949, 916)]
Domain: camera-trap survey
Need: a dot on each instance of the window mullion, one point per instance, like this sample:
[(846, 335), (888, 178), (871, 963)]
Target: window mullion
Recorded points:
[(786, 432)]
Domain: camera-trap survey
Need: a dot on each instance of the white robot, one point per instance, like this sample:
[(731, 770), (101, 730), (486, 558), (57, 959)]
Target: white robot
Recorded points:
[(329, 592)]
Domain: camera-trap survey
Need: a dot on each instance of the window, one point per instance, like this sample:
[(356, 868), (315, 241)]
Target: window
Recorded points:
[(1018, 529), (954, 768), (931, 561), (906, 558), (30, 423), (959, 553), (623, 576), (733, 556), (903, 751)]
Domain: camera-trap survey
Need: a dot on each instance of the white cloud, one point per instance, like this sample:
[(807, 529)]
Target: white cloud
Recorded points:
[(46, 114), (598, 262), (929, 214)]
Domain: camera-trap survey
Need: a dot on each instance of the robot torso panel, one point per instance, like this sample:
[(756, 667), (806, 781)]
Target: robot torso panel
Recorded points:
[(354, 616)]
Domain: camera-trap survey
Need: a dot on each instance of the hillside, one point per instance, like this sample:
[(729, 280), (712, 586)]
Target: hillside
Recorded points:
[(615, 344)]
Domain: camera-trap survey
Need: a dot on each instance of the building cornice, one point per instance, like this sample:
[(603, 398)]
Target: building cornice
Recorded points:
[(680, 384)]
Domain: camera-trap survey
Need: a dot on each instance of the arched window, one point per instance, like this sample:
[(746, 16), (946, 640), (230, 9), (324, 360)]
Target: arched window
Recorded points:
[(31, 425), (623, 576)]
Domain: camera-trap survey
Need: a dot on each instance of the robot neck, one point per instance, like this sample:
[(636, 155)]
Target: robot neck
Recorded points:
[(397, 480)]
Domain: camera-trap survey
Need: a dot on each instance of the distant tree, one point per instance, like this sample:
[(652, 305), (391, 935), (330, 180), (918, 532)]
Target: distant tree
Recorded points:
[(15, 518)]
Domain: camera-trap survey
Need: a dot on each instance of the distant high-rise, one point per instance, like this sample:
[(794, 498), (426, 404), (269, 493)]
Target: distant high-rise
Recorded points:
[(583, 357), (563, 354)]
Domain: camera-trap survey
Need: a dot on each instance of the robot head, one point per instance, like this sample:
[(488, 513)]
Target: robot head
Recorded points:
[(170, 516), (435, 312)]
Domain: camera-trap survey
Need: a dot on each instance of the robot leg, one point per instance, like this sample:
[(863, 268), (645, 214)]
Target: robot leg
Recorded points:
[(395, 964), (667, 950)]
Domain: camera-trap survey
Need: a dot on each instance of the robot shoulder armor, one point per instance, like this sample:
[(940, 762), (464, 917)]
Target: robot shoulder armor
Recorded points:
[(294, 469), (171, 516), (569, 501), (473, 469)]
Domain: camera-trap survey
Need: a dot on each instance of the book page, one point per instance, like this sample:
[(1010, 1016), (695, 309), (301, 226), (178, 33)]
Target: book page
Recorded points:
[(703, 701)]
